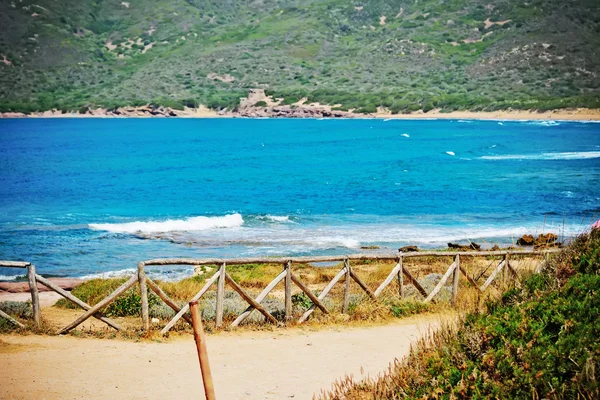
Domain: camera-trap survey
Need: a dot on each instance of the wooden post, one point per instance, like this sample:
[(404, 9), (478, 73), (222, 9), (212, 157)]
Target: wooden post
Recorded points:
[(288, 291), (505, 270), (144, 296), (35, 296), (346, 288), (400, 280), (209, 388), (220, 296), (415, 282), (455, 279)]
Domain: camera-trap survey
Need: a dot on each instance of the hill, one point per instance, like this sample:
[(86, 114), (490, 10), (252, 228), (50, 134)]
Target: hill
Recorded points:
[(403, 55)]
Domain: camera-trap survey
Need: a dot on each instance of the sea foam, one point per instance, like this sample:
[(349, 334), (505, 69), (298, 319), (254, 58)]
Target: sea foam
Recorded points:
[(573, 155), (173, 225)]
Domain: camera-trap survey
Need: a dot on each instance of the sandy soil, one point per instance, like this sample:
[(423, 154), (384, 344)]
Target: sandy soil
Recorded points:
[(579, 114), (47, 299), (293, 363)]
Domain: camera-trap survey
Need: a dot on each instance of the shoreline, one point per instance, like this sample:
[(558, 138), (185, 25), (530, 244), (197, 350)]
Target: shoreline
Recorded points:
[(320, 112)]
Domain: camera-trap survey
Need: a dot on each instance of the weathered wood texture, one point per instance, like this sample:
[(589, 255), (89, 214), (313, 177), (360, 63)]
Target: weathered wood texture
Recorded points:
[(415, 282), (144, 296), (260, 298), (14, 264), (11, 319), (400, 275), (346, 302), (249, 299), (109, 299), (469, 279), (362, 284), (310, 294), (388, 280), (76, 301), (441, 283), (164, 297), (313, 259), (492, 276), (186, 307), (455, 277), (288, 291), (200, 339), (35, 296), (220, 296), (324, 293)]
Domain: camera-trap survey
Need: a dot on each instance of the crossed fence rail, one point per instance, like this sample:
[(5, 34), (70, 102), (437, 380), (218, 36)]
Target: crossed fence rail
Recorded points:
[(221, 278)]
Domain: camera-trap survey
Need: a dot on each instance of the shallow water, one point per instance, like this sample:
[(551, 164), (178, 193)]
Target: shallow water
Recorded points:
[(87, 196)]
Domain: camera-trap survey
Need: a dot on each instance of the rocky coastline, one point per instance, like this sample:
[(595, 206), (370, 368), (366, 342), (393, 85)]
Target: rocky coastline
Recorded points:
[(259, 105)]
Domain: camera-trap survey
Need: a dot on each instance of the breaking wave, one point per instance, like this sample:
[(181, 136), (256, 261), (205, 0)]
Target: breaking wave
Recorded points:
[(173, 225), (574, 155)]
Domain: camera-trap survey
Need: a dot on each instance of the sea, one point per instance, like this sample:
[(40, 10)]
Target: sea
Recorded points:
[(93, 197)]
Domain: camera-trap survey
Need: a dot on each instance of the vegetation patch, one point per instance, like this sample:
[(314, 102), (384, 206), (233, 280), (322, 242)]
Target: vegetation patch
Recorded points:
[(539, 340)]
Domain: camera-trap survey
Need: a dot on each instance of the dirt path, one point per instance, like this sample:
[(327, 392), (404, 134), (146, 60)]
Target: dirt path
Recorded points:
[(281, 364)]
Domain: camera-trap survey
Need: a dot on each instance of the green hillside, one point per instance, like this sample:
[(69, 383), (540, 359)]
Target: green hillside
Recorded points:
[(401, 54)]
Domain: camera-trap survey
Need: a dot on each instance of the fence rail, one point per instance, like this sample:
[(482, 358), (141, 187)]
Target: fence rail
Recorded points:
[(221, 278)]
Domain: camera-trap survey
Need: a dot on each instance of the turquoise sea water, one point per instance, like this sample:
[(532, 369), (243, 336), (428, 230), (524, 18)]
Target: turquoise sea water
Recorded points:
[(80, 197)]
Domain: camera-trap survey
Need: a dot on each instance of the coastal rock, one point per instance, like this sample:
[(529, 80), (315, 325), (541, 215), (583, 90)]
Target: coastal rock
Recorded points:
[(462, 247), (408, 249), (546, 240), (22, 287), (495, 248), (12, 115), (526, 240)]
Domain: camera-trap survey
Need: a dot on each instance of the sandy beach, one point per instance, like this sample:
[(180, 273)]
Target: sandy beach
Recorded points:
[(293, 363), (579, 114)]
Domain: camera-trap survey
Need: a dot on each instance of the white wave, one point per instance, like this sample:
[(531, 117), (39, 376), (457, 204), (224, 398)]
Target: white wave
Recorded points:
[(171, 225), (110, 274), (405, 135), (450, 153), (9, 277), (335, 241), (169, 273), (275, 218), (573, 155)]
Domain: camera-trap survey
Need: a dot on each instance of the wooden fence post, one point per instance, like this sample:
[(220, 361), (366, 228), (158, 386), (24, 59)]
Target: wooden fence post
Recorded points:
[(144, 296), (455, 279), (346, 288), (35, 296), (288, 291), (400, 280), (220, 296), (209, 388)]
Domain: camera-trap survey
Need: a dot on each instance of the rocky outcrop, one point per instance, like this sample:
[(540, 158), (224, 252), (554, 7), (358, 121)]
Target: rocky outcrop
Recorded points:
[(526, 240), (543, 240), (408, 249), (464, 247), (22, 287)]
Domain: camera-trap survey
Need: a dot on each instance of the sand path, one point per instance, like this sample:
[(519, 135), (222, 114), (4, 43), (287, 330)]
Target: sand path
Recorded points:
[(294, 363)]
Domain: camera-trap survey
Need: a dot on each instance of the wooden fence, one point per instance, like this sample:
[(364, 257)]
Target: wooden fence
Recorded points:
[(222, 278)]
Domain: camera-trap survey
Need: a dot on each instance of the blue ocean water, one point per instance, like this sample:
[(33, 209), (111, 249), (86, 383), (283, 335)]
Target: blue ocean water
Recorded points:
[(80, 197)]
